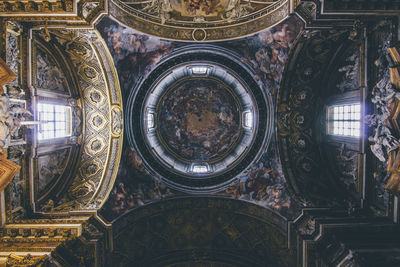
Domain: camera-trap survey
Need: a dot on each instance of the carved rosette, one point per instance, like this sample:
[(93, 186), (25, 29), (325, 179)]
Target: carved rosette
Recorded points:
[(202, 20)]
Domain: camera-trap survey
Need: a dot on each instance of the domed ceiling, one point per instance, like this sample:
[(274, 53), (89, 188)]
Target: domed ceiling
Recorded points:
[(201, 121), (201, 133), (199, 118)]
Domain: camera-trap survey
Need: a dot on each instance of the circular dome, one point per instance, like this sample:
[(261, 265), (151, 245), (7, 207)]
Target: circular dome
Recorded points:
[(198, 123)]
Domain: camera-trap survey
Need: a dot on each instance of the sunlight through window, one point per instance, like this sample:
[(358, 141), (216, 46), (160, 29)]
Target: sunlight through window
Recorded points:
[(55, 121), (199, 70), (345, 120), (200, 169)]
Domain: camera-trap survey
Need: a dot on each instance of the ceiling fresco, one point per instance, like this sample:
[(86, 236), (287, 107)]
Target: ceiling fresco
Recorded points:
[(200, 133), (199, 175), (199, 123), (201, 20), (136, 55)]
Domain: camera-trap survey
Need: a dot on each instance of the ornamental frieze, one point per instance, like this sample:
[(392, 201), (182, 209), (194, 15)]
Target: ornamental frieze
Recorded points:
[(53, 12), (200, 20)]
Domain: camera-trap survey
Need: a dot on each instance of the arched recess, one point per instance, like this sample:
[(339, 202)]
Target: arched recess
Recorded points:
[(184, 231), (82, 180), (53, 81), (324, 67)]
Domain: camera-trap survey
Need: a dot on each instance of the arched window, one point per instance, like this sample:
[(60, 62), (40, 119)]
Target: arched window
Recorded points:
[(55, 121)]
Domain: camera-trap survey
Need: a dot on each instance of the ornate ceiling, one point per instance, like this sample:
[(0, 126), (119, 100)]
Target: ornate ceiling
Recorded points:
[(178, 138), (202, 20), (199, 133), (100, 110)]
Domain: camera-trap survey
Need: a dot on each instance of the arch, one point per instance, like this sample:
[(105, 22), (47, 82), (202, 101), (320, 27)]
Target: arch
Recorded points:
[(98, 110), (196, 229)]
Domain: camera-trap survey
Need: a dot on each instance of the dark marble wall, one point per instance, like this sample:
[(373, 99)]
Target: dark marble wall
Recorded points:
[(136, 54)]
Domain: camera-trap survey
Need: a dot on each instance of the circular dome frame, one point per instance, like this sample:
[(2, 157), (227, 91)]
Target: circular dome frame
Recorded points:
[(168, 84), (210, 182)]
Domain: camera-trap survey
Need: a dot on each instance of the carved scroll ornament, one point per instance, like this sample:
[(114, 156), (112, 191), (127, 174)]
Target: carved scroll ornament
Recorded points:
[(28, 260)]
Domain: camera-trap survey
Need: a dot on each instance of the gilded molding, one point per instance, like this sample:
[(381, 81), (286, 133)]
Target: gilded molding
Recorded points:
[(28, 260), (36, 236), (226, 19), (37, 7), (103, 122), (82, 13), (229, 23)]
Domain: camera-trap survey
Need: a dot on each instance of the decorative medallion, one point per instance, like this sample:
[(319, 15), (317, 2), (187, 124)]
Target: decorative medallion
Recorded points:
[(89, 73), (201, 20)]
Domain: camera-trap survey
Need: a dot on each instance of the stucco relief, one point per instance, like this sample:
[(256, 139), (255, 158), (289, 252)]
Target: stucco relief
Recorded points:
[(13, 58), (350, 71), (48, 74), (383, 135), (51, 167)]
